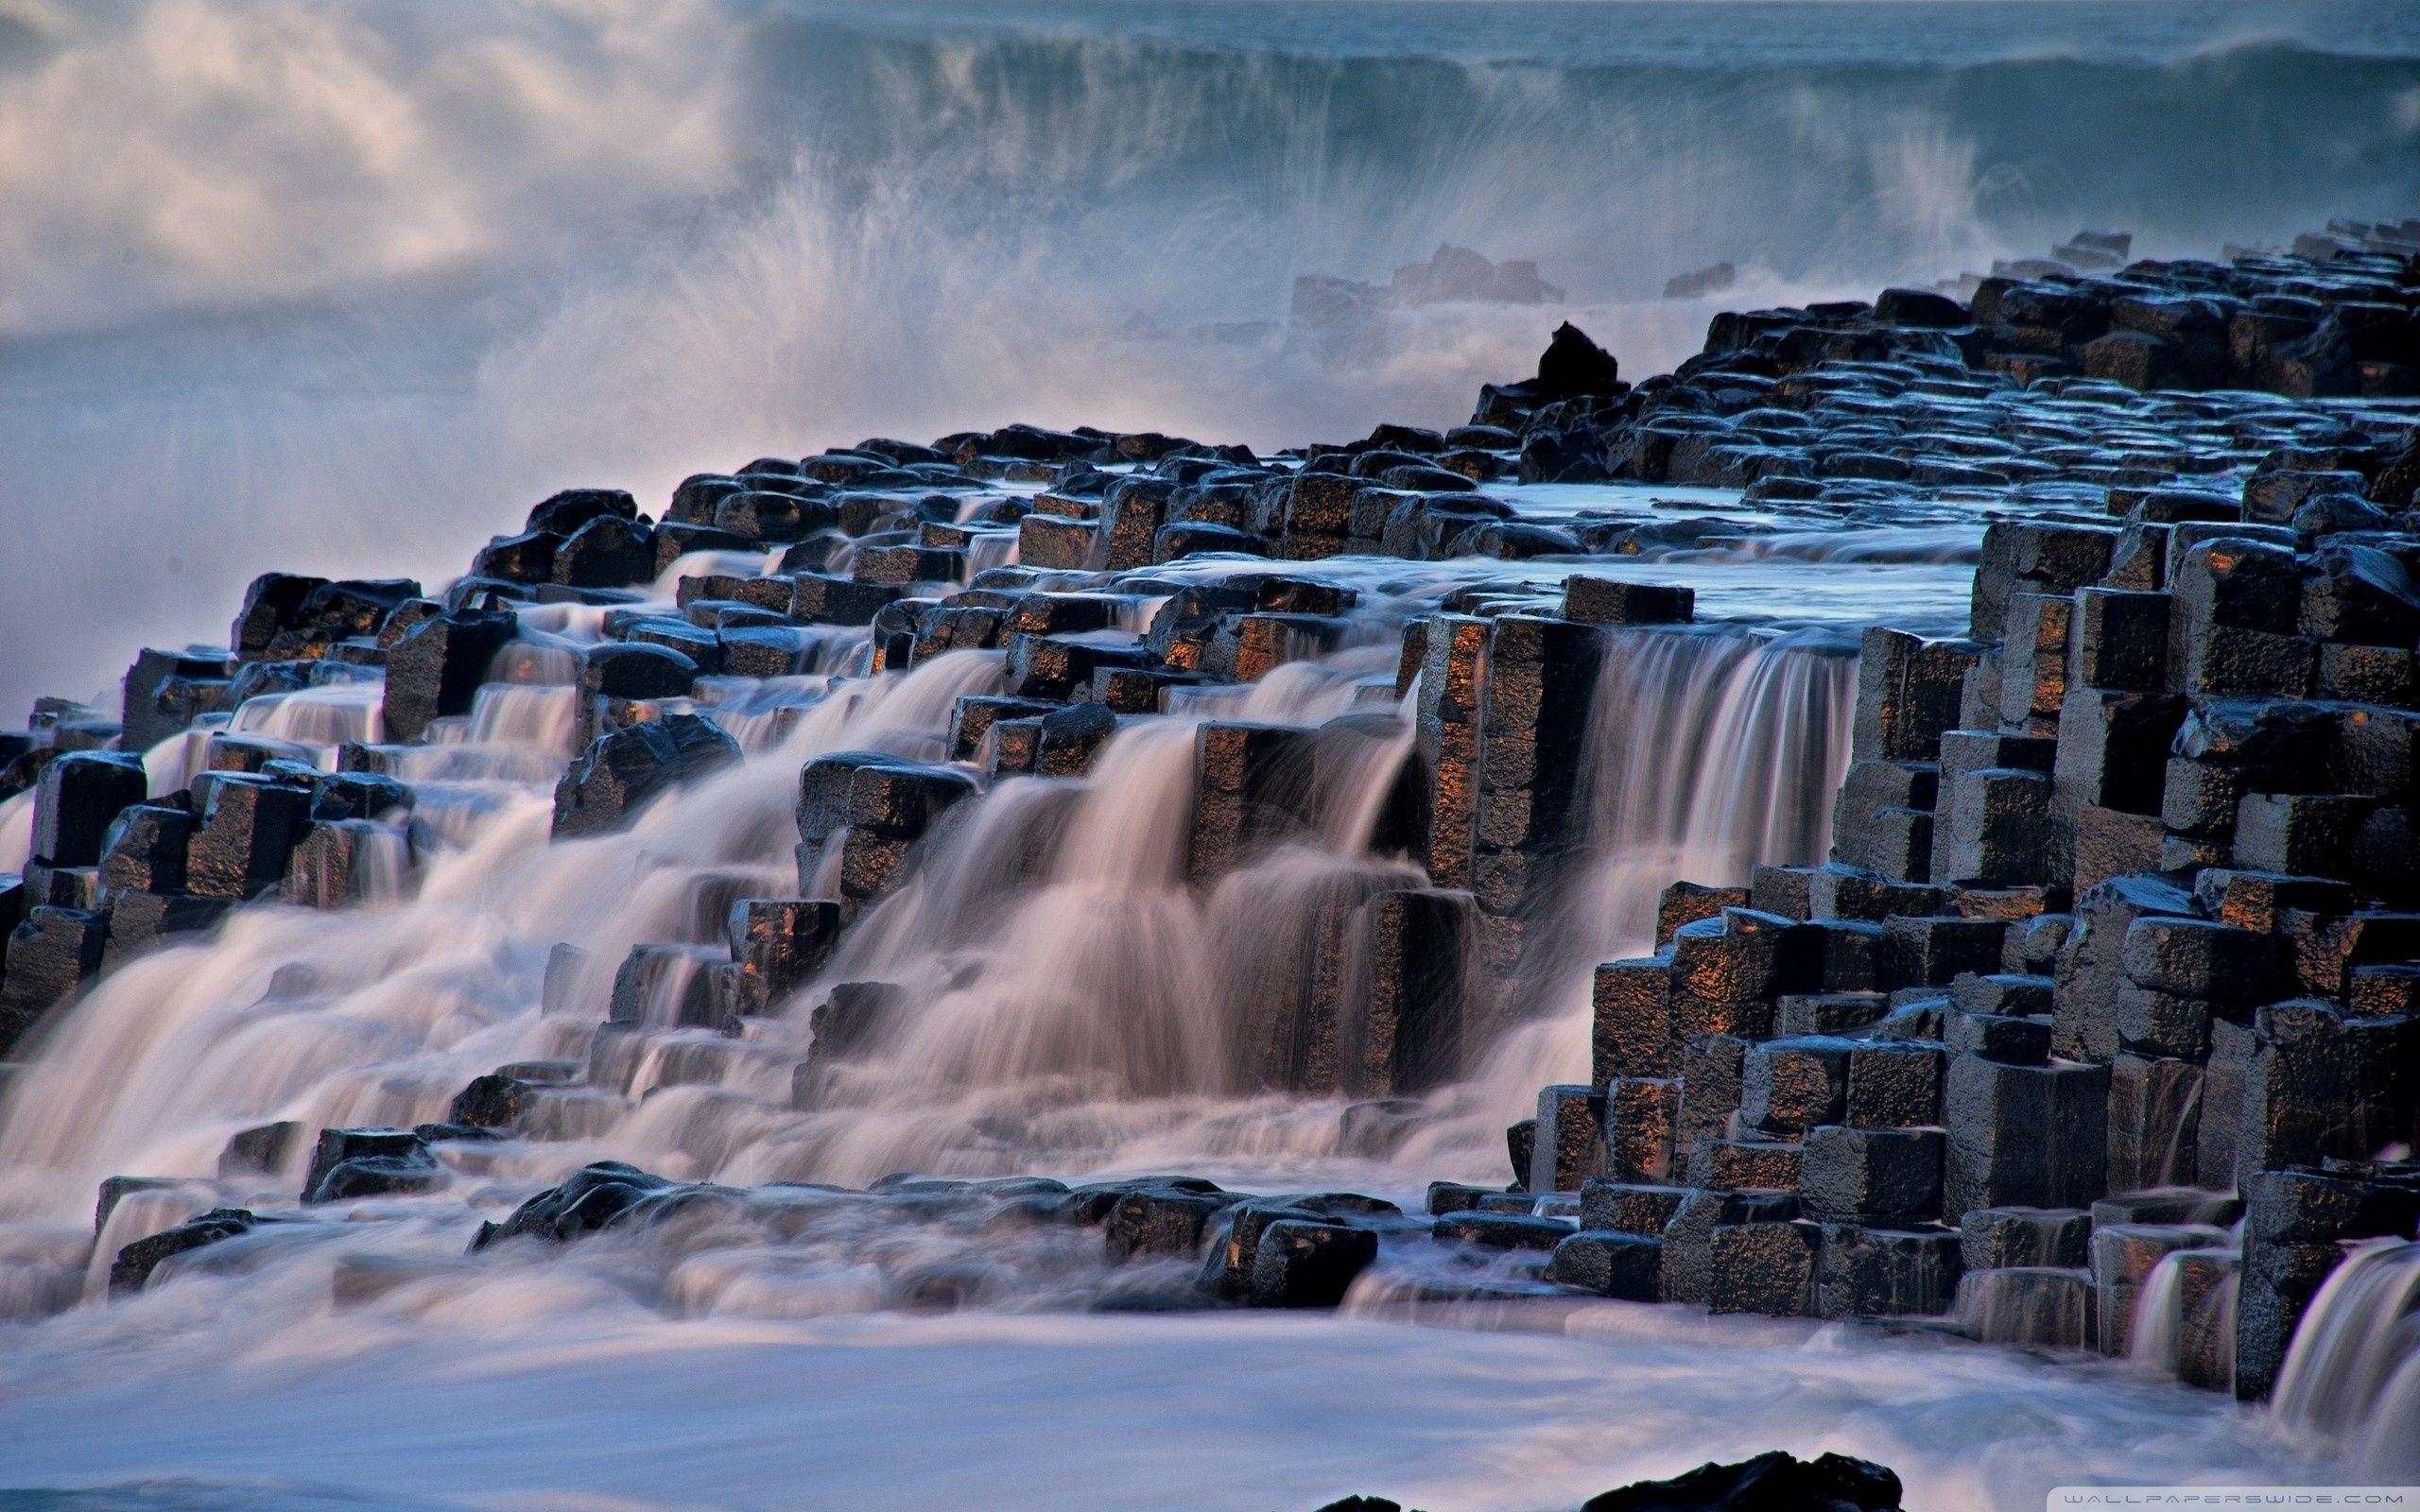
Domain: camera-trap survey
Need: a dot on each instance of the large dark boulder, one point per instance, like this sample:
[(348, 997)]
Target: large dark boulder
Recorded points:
[(250, 827), (619, 772), (608, 552), (271, 604), (1574, 366), (50, 956), (1305, 1268), (145, 851), (875, 792), (494, 1101), (637, 670), (1918, 307), (1770, 1483), (1308, 1262), (258, 1150), (693, 499), (528, 557), (166, 689), (352, 608), (139, 920)]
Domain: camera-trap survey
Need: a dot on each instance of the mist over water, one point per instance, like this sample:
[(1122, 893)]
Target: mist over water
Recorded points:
[(305, 284)]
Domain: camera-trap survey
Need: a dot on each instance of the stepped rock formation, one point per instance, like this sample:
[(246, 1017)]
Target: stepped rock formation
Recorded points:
[(2056, 981)]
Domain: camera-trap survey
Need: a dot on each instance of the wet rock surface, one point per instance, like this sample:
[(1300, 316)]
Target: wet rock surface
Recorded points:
[(132, 1268)]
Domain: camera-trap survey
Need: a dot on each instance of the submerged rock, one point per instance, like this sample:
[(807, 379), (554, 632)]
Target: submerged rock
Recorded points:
[(364, 1163), (132, 1269), (594, 1197)]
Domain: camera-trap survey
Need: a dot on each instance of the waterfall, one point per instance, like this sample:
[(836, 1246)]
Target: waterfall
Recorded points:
[(314, 722), (2159, 1316), (1055, 990), (321, 718), (1709, 751), (16, 830), (1061, 982), (2169, 1319), (378, 1013), (2353, 1370), (1708, 754), (2038, 1306)]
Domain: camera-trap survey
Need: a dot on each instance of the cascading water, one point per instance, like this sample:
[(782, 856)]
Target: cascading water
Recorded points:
[(1064, 989), (16, 830), (1069, 999), (154, 1069), (1062, 980), (1062, 998), (1707, 753), (2353, 1374), (2035, 1305), (2164, 1310)]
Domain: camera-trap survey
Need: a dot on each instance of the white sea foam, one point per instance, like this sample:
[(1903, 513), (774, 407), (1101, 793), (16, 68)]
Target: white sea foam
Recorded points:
[(374, 277)]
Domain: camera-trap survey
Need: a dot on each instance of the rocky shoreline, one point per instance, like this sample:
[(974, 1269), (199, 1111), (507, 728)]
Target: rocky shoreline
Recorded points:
[(2109, 987)]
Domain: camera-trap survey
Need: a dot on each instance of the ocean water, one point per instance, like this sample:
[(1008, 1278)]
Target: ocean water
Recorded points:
[(302, 282), (518, 1408)]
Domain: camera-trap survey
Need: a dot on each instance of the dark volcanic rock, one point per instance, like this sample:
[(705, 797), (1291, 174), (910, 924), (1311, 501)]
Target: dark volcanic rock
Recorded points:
[(363, 1162), (636, 671), (259, 1149), (566, 513), (50, 956), (1306, 1263), (593, 1197), (1574, 366), (436, 670), (1769, 1482), (619, 772), (250, 827), (79, 796), (607, 552), (132, 1269), (493, 1101)]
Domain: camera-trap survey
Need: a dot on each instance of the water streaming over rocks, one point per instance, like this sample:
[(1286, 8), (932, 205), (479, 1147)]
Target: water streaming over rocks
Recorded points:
[(2354, 1372)]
